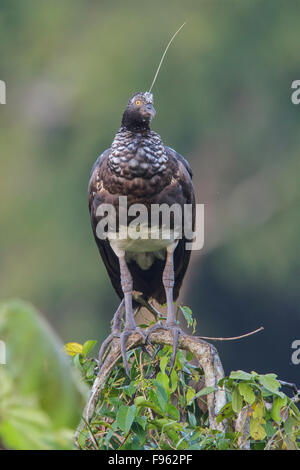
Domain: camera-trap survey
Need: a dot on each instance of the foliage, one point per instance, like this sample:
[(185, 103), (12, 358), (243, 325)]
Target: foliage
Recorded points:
[(40, 396), (24, 424), (153, 410), (274, 419)]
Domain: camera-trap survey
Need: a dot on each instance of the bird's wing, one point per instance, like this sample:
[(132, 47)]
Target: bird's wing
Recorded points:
[(180, 158), (92, 187), (181, 254), (97, 194)]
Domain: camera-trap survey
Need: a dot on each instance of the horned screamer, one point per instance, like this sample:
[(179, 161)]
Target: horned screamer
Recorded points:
[(139, 167)]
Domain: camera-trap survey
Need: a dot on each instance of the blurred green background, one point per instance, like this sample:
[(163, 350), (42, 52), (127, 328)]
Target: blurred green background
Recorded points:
[(223, 101)]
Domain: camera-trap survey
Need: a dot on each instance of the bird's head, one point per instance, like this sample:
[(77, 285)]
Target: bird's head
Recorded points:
[(139, 112)]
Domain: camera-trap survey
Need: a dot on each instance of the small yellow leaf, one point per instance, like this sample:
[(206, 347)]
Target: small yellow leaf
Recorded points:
[(258, 410), (257, 431), (73, 348)]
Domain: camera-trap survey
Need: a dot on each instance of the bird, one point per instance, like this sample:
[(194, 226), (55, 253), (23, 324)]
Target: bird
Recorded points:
[(147, 173)]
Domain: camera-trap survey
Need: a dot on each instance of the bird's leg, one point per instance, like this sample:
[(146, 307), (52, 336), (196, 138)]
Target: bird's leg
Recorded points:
[(130, 325), (168, 282), (127, 285), (116, 330)]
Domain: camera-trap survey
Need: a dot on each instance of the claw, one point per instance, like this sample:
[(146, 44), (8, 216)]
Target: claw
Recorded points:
[(158, 326), (123, 339), (116, 330)]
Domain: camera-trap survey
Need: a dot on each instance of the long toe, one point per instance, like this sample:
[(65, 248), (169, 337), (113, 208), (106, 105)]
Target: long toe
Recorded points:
[(104, 346), (123, 340), (146, 340), (157, 326), (175, 330), (145, 336)]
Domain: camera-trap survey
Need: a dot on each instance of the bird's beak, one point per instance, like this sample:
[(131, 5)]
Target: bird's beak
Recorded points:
[(150, 110)]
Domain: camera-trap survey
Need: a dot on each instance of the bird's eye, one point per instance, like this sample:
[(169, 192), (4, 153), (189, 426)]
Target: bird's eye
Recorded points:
[(138, 102)]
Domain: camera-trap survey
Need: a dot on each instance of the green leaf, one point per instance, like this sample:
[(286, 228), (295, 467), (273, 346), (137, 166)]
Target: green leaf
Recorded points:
[(237, 400), (163, 379), (174, 380), (290, 424), (161, 394), (172, 411), (270, 383), (142, 421), (90, 371), (278, 403), (23, 425), (140, 400), (163, 363), (247, 392), (223, 444), (190, 395), (130, 389), (270, 429), (88, 346), (188, 315), (38, 365), (240, 375), (189, 356), (29, 415), (77, 361), (192, 419), (203, 391), (125, 417), (140, 432), (115, 402)]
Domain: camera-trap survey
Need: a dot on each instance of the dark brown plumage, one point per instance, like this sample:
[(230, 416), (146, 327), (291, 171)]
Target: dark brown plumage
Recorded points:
[(139, 166)]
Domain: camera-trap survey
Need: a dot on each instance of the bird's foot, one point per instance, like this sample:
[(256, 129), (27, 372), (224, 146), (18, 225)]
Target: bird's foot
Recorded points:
[(175, 330), (123, 339)]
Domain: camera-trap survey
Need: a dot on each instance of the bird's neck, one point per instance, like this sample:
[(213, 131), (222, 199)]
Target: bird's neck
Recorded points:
[(137, 154), (135, 124)]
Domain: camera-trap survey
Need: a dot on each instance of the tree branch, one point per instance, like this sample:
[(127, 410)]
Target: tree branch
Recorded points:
[(205, 353)]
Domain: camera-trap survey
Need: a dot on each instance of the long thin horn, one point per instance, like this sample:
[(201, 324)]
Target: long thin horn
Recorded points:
[(163, 56)]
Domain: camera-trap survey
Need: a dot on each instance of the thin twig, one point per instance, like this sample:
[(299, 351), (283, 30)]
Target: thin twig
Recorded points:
[(91, 434), (156, 314), (294, 388), (233, 338)]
